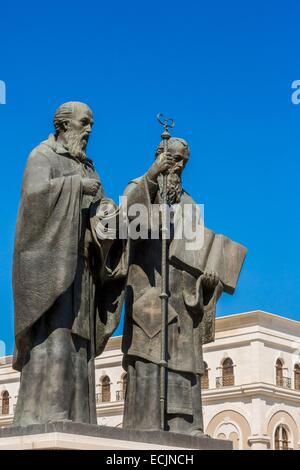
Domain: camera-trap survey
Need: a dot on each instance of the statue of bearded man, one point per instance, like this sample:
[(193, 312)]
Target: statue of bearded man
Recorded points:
[(59, 324), (196, 279)]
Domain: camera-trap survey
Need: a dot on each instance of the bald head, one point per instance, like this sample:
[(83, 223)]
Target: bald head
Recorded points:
[(176, 146)]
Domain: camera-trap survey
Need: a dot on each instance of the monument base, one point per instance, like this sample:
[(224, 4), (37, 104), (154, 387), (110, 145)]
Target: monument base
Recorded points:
[(70, 435)]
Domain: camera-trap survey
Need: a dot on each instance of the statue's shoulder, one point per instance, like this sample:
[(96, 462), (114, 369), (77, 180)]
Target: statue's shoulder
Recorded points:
[(186, 198), (41, 151), (136, 180), (132, 184)]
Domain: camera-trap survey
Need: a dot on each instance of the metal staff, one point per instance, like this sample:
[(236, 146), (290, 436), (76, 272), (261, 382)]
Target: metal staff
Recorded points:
[(166, 122)]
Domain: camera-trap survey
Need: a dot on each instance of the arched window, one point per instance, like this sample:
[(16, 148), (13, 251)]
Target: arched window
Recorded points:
[(204, 378), (279, 373), (297, 376), (105, 388), (230, 431), (281, 438), (227, 372), (5, 402)]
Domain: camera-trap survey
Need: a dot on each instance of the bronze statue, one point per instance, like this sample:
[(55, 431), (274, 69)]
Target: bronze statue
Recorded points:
[(195, 280), (72, 273), (63, 314)]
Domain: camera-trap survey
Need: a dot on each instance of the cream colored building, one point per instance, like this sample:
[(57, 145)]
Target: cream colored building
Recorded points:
[(251, 388)]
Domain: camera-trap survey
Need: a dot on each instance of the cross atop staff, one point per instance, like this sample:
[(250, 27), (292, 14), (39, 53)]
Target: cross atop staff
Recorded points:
[(166, 122)]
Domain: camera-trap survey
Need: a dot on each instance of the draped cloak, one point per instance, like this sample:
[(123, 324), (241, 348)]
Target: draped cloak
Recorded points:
[(191, 318), (65, 308)]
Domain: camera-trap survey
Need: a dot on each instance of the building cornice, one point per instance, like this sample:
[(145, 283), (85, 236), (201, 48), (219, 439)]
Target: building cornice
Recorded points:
[(253, 390), (110, 408), (258, 317)]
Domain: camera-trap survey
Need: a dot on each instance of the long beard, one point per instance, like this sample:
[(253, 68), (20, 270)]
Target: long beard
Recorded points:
[(174, 187), (76, 145)]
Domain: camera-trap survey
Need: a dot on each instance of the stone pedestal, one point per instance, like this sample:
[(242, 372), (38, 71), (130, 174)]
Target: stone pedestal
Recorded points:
[(69, 435)]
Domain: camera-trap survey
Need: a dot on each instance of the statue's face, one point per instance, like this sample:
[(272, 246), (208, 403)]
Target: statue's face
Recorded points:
[(178, 153), (81, 123)]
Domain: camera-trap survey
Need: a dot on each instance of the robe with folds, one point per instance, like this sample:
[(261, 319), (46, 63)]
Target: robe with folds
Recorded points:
[(65, 309), (191, 313)]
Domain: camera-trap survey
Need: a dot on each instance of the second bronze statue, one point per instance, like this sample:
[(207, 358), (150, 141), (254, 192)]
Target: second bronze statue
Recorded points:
[(196, 279)]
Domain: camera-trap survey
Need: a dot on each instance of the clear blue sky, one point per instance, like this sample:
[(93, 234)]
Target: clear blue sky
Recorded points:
[(223, 70)]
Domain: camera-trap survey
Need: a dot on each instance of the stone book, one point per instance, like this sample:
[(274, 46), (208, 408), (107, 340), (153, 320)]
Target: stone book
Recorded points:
[(218, 254)]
